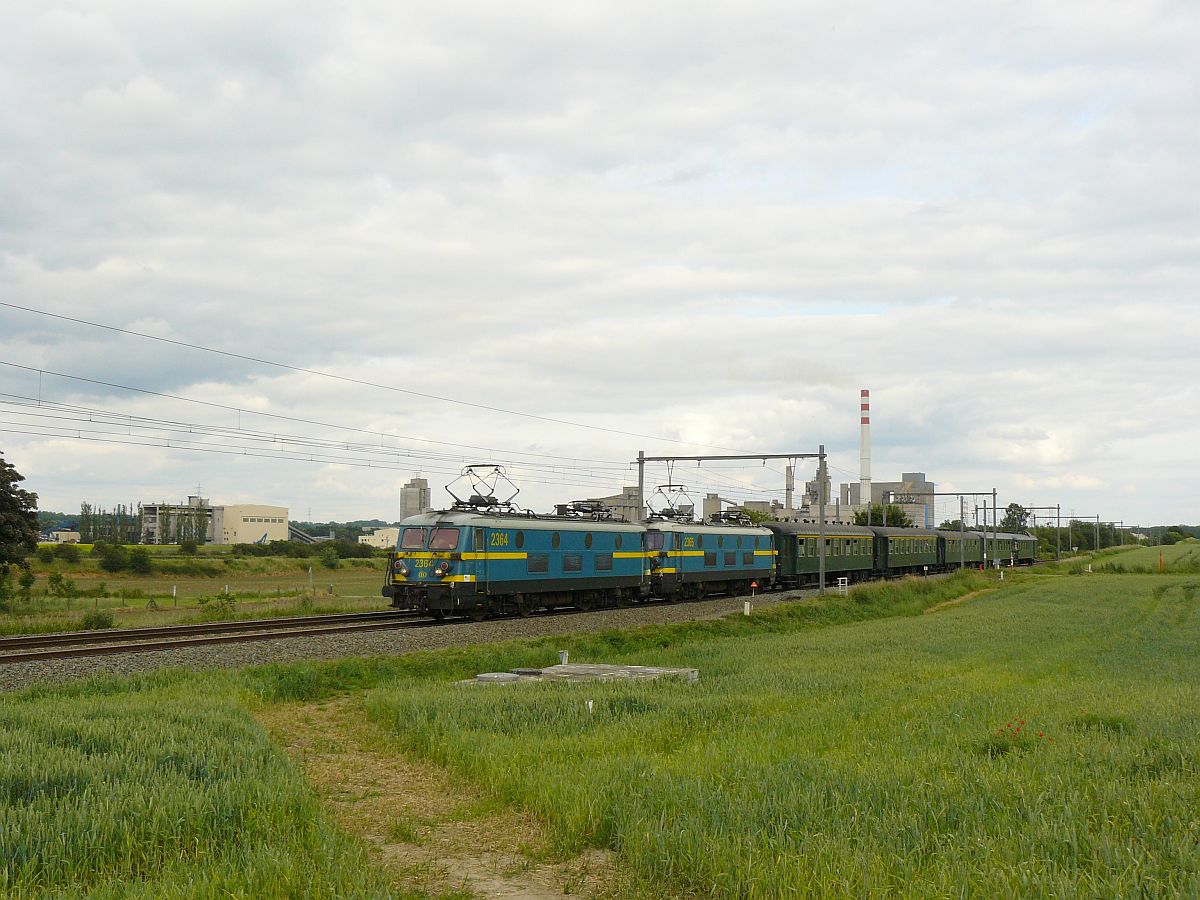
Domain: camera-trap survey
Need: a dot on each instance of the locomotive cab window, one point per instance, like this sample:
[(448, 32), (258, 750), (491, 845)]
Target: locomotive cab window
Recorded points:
[(443, 539), (412, 539), (480, 539), (654, 540)]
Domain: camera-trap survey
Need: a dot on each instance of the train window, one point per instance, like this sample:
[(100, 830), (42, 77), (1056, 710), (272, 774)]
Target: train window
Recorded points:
[(604, 562), (654, 540), (739, 540), (587, 540), (520, 539), (800, 546), (720, 540), (572, 562), (710, 558), (443, 539), (413, 539), (618, 542), (537, 563), (555, 540), (731, 557), (748, 558), (480, 539)]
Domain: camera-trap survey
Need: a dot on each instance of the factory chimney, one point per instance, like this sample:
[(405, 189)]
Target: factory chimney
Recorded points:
[(864, 476)]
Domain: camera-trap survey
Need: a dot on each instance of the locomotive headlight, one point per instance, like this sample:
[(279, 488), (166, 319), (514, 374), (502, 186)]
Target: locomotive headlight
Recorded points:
[(442, 569), (401, 568)]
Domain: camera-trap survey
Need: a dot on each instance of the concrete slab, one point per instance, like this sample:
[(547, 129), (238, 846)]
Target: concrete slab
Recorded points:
[(581, 672)]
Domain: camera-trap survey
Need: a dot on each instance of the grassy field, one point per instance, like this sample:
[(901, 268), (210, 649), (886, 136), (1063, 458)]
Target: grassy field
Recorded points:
[(1040, 740), (846, 746), (1181, 558), (163, 789), (181, 589)]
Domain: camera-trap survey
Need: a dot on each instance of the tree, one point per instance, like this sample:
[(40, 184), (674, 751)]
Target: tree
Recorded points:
[(757, 516), (18, 520), (139, 561), (896, 516), (1016, 519), (952, 525)]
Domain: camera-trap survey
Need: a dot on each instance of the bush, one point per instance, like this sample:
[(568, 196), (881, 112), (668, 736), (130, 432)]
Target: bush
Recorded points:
[(96, 620), (26, 583), (114, 557), (188, 548), (67, 553), (57, 586), (330, 558), (139, 561), (45, 554)]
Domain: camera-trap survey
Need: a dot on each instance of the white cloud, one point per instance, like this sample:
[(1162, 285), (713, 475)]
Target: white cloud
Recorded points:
[(711, 225)]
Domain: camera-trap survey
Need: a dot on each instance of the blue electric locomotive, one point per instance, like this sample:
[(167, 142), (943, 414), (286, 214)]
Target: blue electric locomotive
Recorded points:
[(483, 561)]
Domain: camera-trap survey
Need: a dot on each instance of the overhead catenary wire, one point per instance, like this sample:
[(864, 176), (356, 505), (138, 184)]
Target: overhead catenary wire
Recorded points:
[(355, 381)]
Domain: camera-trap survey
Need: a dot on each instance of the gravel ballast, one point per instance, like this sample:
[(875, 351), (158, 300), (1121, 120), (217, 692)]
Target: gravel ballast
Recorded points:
[(14, 676)]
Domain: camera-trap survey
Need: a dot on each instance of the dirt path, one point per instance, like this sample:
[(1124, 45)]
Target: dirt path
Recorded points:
[(430, 832), (958, 601)]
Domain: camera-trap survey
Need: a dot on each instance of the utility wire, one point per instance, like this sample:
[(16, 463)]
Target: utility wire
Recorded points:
[(356, 381), (282, 417)]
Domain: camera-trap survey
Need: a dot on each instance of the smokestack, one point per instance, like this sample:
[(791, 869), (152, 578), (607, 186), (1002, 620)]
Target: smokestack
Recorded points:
[(864, 455)]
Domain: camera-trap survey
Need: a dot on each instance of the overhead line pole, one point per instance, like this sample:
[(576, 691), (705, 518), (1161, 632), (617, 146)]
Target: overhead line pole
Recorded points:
[(962, 514), (1057, 510), (819, 455)]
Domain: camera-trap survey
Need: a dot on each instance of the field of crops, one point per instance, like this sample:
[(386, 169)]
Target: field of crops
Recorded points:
[(171, 790), (1042, 737), (187, 589), (1040, 740), (1181, 558)]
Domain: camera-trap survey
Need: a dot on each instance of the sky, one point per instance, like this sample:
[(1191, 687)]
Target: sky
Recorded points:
[(552, 235)]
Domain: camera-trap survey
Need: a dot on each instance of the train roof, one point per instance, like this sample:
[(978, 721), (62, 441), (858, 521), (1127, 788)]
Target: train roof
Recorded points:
[(1019, 536), (529, 522), (705, 527), (812, 528), (891, 531)]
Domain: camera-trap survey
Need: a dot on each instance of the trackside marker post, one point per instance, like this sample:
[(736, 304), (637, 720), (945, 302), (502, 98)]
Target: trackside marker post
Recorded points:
[(746, 608)]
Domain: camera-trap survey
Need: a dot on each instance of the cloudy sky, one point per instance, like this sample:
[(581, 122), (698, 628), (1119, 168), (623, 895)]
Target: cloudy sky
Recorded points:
[(672, 227)]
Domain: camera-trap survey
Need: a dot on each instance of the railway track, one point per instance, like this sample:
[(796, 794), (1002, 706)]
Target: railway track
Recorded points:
[(66, 645)]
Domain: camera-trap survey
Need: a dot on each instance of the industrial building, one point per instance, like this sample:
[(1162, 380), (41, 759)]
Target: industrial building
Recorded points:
[(415, 498), (381, 537), (249, 523), (911, 493), (623, 505), (198, 520)]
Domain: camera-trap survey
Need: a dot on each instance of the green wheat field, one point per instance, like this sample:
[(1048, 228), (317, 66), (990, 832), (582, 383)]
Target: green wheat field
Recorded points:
[(1041, 738)]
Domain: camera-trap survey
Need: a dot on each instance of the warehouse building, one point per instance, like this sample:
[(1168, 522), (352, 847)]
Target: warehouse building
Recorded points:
[(384, 538), (197, 520), (249, 523)]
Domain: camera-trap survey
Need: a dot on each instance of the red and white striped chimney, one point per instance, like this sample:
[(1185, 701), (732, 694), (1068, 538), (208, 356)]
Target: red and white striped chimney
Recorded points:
[(864, 476)]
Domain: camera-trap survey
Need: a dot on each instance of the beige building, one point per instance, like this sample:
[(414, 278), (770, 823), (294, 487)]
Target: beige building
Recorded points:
[(249, 523), (415, 498), (381, 537), (64, 537), (623, 505)]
